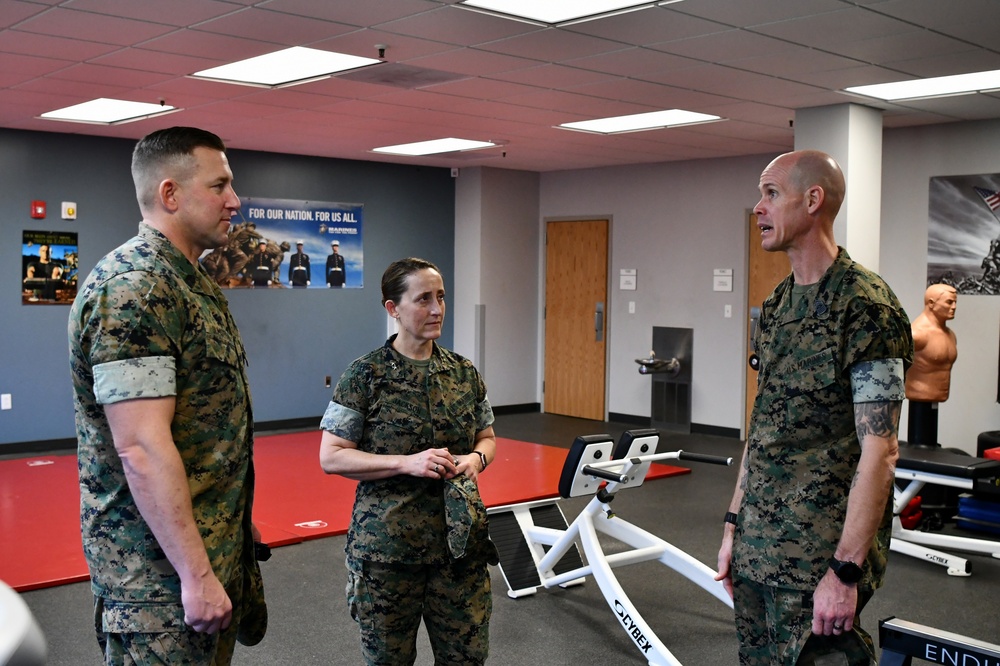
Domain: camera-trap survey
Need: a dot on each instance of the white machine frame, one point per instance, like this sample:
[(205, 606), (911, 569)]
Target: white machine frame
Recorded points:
[(597, 518), (914, 543)]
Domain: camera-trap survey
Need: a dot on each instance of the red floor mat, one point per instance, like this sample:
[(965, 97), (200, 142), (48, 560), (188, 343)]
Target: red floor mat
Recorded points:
[(40, 542)]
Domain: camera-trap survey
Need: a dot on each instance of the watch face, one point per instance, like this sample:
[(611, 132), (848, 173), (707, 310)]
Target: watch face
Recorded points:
[(848, 572)]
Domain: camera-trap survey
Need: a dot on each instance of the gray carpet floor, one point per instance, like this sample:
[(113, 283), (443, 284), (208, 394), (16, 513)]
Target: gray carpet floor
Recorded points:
[(309, 623)]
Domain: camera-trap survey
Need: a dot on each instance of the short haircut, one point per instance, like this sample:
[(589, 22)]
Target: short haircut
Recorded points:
[(167, 153)]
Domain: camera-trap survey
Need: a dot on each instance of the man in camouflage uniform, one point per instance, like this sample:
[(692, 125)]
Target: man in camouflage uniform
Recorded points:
[(164, 423), (411, 422), (807, 533)]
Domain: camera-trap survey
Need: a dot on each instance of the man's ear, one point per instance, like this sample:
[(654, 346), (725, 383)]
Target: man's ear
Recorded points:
[(815, 196), (167, 193)]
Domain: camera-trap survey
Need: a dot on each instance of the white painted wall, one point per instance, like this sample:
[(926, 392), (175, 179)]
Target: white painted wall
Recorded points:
[(910, 158), (497, 269), (674, 223)]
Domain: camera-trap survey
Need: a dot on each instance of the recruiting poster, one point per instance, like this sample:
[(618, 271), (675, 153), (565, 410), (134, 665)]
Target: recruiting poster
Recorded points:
[(291, 244), (963, 233), (49, 267)]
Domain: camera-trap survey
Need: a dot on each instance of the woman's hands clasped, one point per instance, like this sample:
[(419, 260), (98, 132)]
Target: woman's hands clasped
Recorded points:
[(441, 464)]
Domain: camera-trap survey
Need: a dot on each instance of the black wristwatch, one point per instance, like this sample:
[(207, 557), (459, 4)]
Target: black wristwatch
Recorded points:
[(482, 459), (848, 572)]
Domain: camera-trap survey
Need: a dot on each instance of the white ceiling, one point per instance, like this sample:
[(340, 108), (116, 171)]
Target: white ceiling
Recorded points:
[(454, 72)]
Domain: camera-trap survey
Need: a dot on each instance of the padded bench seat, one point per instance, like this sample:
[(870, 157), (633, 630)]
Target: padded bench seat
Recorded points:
[(947, 463)]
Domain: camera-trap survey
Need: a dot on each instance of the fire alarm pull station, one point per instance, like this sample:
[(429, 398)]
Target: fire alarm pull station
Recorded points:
[(38, 209)]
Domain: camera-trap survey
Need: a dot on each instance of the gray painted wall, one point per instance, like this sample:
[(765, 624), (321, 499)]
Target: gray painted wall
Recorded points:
[(293, 339)]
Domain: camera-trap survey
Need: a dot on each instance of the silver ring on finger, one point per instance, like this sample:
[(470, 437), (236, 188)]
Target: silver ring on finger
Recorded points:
[(437, 469)]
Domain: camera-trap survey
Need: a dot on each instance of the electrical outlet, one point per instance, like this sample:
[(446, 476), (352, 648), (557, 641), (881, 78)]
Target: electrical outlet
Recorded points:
[(727, 311)]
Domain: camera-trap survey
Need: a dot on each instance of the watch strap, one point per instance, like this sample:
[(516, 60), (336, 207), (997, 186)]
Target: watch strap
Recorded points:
[(730, 518)]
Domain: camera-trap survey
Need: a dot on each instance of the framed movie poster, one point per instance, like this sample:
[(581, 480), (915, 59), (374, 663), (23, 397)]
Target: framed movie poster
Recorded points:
[(49, 267), (291, 244)]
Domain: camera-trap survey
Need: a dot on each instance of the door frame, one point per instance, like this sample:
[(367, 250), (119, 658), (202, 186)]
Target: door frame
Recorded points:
[(543, 322)]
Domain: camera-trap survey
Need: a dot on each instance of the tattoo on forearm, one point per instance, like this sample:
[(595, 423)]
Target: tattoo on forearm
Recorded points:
[(880, 419)]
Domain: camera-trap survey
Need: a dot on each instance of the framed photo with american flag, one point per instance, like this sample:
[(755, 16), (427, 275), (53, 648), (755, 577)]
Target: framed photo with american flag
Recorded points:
[(963, 233)]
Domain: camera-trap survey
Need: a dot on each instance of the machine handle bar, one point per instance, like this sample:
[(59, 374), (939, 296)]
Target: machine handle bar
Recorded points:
[(603, 474), (701, 457)]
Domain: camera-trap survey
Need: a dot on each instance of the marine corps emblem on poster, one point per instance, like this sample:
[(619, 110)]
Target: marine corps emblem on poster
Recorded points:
[(291, 244)]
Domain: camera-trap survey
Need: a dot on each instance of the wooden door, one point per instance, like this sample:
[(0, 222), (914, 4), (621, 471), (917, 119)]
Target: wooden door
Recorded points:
[(764, 271), (576, 306)]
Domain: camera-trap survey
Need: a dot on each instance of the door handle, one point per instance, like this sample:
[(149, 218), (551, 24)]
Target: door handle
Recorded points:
[(599, 322)]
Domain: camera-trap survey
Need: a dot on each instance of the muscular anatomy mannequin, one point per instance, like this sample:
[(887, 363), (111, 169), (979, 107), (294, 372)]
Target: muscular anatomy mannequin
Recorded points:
[(934, 352)]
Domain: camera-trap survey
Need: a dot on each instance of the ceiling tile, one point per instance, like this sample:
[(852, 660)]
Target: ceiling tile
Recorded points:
[(64, 48), (178, 13), (648, 26), (552, 46), (274, 27), (59, 22), (453, 25), (364, 14)]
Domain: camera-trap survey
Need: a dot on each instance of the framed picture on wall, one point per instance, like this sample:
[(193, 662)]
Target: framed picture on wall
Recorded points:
[(49, 267), (963, 233)]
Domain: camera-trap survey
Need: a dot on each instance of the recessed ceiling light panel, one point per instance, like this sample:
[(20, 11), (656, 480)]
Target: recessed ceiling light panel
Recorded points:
[(940, 86), (104, 111), (641, 121), (433, 147), (291, 66), (555, 12)]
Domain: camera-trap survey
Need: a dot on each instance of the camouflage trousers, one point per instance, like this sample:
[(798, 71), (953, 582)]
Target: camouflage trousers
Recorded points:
[(774, 626), (388, 601), (185, 647)]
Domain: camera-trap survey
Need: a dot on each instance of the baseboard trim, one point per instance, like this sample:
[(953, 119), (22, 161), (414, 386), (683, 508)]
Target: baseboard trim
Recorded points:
[(718, 431), (303, 423), (67, 445), (630, 418), (525, 408), (696, 428), (59, 446)]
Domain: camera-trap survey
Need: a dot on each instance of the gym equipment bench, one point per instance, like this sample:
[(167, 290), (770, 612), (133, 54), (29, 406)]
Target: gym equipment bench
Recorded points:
[(901, 641), (919, 466), (537, 548)]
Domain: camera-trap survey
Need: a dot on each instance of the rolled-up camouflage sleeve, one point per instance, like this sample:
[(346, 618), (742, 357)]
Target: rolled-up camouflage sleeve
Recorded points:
[(880, 351), (147, 377), (343, 422), (484, 415), (132, 351), (345, 415), (878, 381)]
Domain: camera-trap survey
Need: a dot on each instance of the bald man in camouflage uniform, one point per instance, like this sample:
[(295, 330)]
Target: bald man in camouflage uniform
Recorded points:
[(807, 533), (411, 421), (164, 423)]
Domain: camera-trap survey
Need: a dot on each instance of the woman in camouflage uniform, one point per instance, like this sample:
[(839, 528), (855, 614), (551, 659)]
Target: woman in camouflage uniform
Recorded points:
[(411, 422)]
